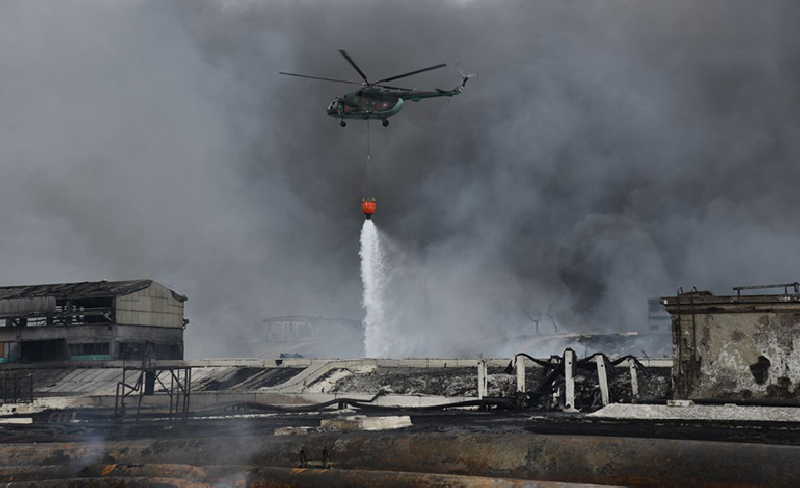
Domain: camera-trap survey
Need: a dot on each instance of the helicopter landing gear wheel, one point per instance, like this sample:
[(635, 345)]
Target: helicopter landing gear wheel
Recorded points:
[(342, 123), (385, 123)]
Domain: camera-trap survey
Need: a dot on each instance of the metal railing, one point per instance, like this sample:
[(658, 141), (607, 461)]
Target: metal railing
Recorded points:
[(785, 286)]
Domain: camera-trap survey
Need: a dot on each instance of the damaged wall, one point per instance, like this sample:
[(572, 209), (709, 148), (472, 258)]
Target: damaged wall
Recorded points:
[(742, 347)]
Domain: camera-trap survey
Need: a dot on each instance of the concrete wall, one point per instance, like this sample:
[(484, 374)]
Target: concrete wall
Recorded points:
[(736, 347), (738, 356), (154, 306)]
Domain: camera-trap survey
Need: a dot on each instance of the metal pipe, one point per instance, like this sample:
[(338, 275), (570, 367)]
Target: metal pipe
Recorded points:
[(631, 461), (345, 478), (183, 476)]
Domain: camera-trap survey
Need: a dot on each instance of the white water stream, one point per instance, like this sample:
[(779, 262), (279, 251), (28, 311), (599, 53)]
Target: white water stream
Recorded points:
[(373, 278)]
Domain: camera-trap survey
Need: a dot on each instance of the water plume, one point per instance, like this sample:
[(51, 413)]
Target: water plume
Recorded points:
[(373, 277)]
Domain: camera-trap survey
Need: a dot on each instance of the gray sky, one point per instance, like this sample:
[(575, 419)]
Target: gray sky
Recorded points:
[(606, 152)]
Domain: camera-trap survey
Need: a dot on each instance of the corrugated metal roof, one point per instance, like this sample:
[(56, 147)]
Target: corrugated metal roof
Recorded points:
[(78, 290)]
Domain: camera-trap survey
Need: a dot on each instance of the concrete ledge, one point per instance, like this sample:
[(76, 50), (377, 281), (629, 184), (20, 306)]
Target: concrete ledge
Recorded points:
[(210, 400), (295, 363), (698, 412), (196, 363)]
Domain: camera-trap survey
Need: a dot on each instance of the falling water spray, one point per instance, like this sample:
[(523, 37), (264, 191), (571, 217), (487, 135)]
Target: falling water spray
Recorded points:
[(373, 278)]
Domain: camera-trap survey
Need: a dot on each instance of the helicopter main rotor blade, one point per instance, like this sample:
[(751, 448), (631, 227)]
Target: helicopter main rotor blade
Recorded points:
[(353, 64), (320, 78), (394, 87), (411, 73)]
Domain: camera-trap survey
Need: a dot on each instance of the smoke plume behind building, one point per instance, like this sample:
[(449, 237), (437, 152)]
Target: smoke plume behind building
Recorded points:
[(605, 153)]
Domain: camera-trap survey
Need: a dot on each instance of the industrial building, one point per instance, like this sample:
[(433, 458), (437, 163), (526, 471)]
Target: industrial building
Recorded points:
[(99, 320), (311, 336)]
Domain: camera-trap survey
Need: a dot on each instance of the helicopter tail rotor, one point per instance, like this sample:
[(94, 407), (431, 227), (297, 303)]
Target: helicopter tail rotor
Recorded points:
[(464, 79)]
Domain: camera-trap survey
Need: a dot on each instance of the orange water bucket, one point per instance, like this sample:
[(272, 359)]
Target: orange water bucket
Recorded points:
[(369, 206)]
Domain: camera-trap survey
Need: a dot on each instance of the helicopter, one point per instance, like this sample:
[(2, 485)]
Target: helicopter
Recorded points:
[(375, 100)]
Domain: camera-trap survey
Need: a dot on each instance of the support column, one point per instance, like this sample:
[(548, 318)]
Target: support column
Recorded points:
[(482, 380), (569, 380), (602, 378), (150, 382), (634, 370), (520, 363)]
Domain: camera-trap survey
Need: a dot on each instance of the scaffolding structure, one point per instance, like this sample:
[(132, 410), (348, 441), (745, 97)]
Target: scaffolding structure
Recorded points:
[(16, 387), (177, 385)]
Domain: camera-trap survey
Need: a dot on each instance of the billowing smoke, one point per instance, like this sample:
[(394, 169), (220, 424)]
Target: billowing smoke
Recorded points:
[(606, 152)]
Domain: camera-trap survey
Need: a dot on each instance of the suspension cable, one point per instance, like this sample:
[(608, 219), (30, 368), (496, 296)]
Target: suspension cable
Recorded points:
[(368, 161)]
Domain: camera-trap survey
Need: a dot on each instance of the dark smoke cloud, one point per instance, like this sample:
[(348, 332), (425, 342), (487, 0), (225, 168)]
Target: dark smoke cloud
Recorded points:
[(606, 152)]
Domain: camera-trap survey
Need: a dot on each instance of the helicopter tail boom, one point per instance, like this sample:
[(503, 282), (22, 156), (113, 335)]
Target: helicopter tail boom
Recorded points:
[(457, 90), (416, 96)]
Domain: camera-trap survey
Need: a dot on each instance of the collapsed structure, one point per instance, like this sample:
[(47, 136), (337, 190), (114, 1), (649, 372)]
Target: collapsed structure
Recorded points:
[(99, 320)]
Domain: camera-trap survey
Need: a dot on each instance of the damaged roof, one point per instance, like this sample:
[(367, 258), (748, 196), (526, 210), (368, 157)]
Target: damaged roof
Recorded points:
[(84, 289)]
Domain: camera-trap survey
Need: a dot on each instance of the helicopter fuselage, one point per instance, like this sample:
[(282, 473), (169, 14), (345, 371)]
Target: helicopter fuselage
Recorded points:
[(376, 100), (366, 104)]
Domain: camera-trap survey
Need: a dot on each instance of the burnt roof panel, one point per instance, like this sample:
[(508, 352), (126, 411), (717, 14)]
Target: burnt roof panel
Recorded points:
[(83, 289)]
